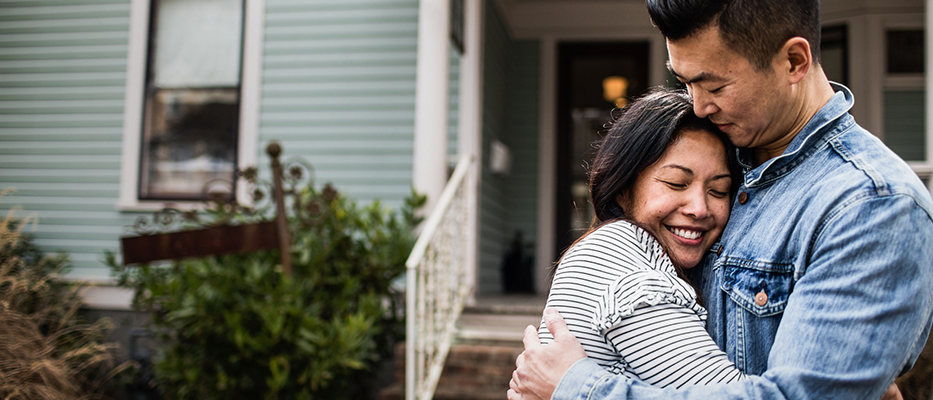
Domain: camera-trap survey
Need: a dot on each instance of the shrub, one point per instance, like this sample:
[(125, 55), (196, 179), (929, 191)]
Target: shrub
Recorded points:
[(236, 327), (46, 351)]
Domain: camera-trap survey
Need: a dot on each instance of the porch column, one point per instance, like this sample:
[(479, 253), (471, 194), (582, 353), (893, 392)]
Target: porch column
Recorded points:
[(470, 136), (547, 163), (928, 29), (431, 91)]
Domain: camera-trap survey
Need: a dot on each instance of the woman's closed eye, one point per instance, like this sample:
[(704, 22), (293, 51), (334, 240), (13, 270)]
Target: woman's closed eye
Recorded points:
[(718, 193), (675, 185)]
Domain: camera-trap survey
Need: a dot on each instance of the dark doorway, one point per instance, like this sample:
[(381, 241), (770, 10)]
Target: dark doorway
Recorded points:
[(593, 78)]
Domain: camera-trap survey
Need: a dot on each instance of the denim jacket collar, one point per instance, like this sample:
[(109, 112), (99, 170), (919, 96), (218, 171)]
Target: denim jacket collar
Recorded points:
[(821, 127)]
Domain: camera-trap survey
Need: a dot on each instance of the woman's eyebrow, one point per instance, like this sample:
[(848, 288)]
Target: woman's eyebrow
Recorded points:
[(680, 167), (690, 171)]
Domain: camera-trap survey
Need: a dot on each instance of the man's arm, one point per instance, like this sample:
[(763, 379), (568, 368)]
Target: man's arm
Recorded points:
[(854, 321), (539, 371)]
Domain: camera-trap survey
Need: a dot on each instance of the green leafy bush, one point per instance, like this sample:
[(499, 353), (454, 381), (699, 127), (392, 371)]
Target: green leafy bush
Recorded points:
[(46, 351), (236, 327)]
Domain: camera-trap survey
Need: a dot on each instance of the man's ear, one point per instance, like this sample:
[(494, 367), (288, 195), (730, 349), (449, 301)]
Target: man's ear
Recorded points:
[(795, 58)]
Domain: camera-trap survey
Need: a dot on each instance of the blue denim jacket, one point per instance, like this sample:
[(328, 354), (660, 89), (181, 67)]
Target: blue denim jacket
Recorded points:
[(823, 282)]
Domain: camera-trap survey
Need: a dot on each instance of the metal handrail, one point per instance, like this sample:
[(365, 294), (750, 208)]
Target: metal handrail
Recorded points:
[(437, 287)]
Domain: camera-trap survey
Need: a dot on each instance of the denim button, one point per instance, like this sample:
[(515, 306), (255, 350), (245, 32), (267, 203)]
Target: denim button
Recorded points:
[(761, 298), (719, 252), (743, 198)]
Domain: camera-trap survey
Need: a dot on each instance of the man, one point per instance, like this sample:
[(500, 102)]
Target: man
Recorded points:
[(823, 284)]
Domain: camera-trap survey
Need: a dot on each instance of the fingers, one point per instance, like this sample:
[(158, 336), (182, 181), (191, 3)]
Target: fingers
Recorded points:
[(531, 337), (513, 393), (557, 326)]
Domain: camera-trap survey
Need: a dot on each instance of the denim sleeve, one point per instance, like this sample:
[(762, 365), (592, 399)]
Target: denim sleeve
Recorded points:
[(858, 316)]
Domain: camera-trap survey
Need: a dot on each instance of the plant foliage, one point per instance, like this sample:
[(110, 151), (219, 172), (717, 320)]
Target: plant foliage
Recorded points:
[(46, 351), (236, 327)]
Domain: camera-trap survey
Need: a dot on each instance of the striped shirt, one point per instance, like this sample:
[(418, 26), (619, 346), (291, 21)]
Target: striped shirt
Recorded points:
[(621, 297)]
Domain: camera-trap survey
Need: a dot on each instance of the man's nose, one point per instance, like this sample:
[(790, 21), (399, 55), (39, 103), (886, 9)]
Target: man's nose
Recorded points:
[(703, 106)]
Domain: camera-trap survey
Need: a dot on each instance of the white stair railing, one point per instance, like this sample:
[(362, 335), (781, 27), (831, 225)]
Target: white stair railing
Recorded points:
[(437, 287)]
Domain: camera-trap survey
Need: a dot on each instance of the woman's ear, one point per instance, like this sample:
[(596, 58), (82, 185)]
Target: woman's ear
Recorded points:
[(623, 201)]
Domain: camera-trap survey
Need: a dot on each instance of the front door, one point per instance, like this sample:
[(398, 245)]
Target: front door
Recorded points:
[(593, 78)]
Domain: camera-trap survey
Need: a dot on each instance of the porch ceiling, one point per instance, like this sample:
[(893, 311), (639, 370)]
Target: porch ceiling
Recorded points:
[(588, 19), (530, 19)]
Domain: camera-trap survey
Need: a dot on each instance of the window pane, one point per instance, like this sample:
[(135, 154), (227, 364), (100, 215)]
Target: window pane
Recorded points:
[(905, 51), (904, 123), (192, 104), (197, 43), (191, 139)]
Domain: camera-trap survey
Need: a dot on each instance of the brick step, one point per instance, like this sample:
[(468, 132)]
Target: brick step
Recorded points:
[(471, 372)]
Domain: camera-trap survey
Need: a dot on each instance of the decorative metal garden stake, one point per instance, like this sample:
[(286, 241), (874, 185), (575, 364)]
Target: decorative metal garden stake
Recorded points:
[(281, 222)]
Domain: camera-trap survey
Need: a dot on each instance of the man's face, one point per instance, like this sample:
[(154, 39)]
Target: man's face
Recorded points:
[(750, 106)]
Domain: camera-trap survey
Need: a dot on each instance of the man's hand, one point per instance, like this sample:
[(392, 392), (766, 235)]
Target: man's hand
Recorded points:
[(539, 367)]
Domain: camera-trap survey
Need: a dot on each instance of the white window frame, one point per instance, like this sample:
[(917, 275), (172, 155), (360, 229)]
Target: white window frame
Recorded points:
[(250, 88), (868, 77), (915, 81)]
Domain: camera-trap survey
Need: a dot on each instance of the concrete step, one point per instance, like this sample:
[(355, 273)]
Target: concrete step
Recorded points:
[(494, 328)]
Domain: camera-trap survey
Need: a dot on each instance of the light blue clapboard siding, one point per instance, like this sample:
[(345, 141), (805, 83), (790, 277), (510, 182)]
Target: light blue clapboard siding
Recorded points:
[(508, 202), (62, 82), (493, 235), (339, 90), (522, 123), (453, 101)]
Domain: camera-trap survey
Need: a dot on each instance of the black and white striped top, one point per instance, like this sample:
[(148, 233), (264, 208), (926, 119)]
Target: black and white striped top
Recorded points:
[(622, 299)]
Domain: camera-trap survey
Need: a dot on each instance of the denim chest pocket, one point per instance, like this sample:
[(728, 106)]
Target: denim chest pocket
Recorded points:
[(762, 288)]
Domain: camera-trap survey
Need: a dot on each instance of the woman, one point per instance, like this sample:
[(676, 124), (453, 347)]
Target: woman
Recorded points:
[(661, 185)]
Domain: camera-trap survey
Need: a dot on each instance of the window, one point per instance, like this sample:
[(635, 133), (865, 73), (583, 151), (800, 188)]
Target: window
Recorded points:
[(192, 98), (904, 93)]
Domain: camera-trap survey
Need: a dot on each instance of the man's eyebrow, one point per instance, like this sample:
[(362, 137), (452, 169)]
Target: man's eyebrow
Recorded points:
[(702, 76)]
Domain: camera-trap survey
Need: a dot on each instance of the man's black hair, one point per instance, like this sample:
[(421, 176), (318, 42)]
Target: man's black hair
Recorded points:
[(755, 29)]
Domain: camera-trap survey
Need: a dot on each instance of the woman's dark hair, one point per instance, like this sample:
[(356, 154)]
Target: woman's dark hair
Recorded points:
[(638, 135), (636, 139), (755, 28)]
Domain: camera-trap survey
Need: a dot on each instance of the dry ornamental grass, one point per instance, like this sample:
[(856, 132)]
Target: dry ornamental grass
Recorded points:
[(46, 353)]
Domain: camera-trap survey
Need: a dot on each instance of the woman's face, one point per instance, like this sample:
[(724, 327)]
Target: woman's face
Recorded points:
[(683, 198)]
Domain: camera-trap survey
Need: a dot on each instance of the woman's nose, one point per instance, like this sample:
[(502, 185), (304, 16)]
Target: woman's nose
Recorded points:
[(696, 206)]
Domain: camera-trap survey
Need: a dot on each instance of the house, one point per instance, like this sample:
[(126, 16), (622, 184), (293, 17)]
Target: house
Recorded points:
[(110, 109)]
